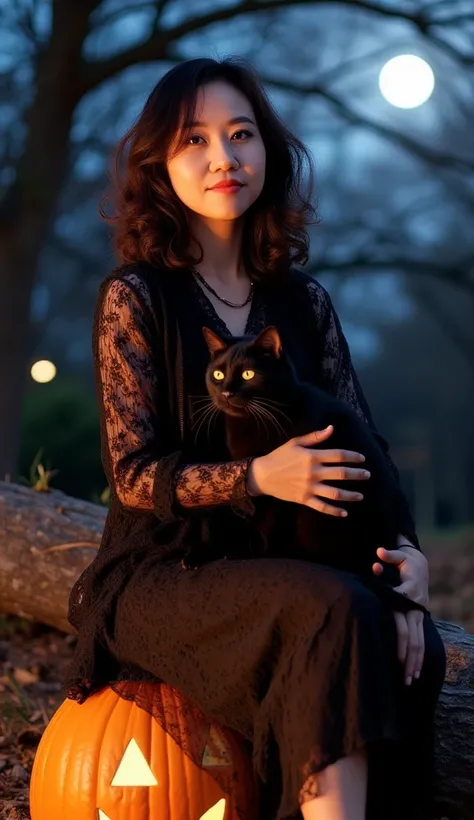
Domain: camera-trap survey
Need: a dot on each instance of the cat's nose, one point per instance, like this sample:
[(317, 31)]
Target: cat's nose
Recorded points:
[(227, 394)]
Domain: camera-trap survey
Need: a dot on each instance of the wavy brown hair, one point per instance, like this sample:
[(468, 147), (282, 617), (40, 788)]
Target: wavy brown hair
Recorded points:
[(151, 223)]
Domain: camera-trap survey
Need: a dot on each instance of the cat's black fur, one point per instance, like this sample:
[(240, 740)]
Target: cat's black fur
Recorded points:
[(262, 413)]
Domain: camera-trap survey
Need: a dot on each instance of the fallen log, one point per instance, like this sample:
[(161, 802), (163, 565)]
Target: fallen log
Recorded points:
[(48, 538)]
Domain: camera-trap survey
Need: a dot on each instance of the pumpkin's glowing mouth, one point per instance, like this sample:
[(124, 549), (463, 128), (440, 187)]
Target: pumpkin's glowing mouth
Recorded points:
[(215, 813), (133, 770)]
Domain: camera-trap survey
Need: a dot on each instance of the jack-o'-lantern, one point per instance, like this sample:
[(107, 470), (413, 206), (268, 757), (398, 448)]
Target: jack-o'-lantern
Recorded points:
[(109, 759)]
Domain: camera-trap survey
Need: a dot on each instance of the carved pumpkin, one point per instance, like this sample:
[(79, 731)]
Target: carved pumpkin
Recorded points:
[(109, 759)]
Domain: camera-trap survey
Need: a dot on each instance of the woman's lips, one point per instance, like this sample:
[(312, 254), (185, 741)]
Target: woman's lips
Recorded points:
[(226, 189)]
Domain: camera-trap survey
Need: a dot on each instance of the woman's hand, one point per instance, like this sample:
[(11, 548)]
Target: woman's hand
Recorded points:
[(294, 472), (411, 642), (413, 568)]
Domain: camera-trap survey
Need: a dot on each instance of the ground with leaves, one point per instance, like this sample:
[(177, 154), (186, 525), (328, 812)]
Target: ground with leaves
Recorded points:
[(32, 657)]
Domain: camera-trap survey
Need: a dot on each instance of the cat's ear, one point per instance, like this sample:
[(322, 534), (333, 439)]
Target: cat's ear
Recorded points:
[(214, 342), (269, 339)]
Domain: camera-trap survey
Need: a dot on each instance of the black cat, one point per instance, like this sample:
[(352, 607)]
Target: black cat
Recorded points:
[(254, 383)]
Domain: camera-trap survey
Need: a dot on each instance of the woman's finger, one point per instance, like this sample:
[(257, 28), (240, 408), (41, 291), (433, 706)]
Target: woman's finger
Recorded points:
[(316, 504), (335, 493), (335, 456), (413, 648), (339, 473), (402, 635), (421, 644)]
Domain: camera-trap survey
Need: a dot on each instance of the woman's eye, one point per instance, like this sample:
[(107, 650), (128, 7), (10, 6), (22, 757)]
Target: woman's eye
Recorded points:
[(247, 133), (197, 137), (218, 375), (248, 374)]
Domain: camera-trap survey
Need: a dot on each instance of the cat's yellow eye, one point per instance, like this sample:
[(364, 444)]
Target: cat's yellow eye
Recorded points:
[(248, 374), (218, 375)]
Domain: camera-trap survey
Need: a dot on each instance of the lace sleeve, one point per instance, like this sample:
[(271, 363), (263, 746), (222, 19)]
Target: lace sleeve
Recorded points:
[(144, 477), (341, 380)]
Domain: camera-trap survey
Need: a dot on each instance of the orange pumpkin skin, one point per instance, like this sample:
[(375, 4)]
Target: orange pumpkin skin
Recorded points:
[(81, 751)]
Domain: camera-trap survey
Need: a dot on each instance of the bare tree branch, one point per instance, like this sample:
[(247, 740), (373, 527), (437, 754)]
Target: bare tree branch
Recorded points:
[(156, 46), (362, 264), (466, 17), (424, 153), (451, 51), (158, 6)]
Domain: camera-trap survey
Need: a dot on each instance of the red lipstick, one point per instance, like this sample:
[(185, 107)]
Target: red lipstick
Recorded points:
[(227, 186)]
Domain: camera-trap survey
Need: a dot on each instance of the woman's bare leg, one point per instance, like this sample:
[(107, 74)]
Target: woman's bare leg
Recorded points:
[(340, 789)]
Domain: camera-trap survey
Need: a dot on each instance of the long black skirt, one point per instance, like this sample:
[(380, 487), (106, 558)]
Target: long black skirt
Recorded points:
[(299, 659)]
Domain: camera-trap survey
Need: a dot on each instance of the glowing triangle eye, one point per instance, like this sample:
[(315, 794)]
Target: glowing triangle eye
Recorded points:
[(248, 374), (216, 812), (218, 375), (133, 770)]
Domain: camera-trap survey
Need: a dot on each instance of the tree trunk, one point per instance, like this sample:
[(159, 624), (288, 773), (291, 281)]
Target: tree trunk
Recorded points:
[(28, 206), (48, 539), (14, 351)]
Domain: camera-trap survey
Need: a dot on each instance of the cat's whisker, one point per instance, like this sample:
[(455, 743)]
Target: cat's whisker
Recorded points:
[(196, 435), (253, 412), (211, 419), (269, 415), (202, 409), (275, 409), (272, 401), (263, 414), (273, 420), (208, 412), (204, 412), (204, 400)]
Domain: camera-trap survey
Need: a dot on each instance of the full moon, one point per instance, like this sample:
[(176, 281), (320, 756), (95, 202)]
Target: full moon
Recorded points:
[(406, 81)]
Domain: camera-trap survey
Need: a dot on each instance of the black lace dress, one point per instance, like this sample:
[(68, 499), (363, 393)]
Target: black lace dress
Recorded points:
[(299, 659)]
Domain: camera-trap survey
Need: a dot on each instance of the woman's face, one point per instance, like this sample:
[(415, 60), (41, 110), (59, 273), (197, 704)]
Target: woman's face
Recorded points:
[(225, 143)]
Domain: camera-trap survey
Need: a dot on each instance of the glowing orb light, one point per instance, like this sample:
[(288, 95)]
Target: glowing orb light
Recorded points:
[(406, 81), (43, 371)]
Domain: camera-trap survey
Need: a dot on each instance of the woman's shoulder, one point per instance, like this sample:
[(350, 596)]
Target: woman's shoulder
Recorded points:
[(317, 293), (125, 286), (135, 280)]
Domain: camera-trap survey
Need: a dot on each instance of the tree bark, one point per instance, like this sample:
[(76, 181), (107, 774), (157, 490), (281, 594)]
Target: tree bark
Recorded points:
[(48, 539)]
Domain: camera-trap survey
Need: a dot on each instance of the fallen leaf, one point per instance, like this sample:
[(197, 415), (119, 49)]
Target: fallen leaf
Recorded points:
[(24, 676)]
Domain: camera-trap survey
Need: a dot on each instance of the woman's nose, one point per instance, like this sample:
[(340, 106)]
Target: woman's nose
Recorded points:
[(223, 160)]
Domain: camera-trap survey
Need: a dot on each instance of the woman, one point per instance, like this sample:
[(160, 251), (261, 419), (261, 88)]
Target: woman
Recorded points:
[(335, 693)]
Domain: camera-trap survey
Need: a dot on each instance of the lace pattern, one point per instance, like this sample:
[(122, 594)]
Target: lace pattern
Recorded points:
[(130, 389)]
